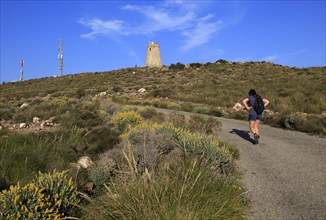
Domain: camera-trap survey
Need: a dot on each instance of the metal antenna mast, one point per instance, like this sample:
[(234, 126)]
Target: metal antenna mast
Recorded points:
[(60, 57), (21, 70)]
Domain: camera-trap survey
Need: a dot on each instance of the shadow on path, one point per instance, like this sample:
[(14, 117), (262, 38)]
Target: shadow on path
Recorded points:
[(243, 134)]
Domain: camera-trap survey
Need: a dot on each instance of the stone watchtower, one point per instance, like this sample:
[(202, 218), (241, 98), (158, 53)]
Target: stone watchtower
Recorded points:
[(153, 56)]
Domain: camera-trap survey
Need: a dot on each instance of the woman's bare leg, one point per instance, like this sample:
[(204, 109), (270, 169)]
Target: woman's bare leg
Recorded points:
[(256, 125), (252, 126)]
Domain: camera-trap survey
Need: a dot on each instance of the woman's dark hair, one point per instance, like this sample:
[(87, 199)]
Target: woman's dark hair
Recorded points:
[(252, 92)]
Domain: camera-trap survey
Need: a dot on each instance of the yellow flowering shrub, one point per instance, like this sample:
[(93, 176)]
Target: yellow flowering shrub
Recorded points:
[(124, 120), (48, 197)]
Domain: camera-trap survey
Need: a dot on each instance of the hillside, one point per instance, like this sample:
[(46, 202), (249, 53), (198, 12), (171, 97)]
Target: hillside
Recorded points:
[(297, 95), (100, 141)]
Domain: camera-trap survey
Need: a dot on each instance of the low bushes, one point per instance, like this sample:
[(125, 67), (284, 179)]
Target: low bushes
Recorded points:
[(154, 140), (165, 92), (177, 66), (158, 103), (298, 121)]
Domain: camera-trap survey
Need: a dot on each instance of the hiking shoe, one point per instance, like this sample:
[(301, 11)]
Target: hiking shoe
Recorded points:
[(256, 138)]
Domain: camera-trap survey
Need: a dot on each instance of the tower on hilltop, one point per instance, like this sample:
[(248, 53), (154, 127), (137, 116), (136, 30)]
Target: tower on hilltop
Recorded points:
[(153, 56)]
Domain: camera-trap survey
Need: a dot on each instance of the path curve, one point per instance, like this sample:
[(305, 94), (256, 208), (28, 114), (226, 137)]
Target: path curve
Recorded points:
[(285, 174)]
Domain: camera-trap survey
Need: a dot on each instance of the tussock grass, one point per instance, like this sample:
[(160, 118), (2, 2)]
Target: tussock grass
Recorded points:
[(184, 189), (22, 155)]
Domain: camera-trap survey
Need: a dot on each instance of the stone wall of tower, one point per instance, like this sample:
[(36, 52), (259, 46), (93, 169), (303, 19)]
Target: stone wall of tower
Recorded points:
[(153, 56)]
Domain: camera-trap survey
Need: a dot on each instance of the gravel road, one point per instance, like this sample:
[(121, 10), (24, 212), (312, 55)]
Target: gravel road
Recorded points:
[(284, 175)]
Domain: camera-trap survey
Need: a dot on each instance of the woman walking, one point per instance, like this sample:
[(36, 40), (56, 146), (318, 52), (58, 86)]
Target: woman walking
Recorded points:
[(254, 116)]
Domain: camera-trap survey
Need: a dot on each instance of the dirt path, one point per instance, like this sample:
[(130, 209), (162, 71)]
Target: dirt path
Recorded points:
[(285, 174)]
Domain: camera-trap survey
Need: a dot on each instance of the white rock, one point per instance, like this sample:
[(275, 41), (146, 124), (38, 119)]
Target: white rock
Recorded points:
[(22, 125), (142, 90), (102, 94), (47, 124), (1, 127), (85, 162), (36, 119), (24, 105), (237, 107)]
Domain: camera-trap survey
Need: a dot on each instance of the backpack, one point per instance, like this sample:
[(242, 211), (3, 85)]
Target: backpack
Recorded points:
[(259, 105)]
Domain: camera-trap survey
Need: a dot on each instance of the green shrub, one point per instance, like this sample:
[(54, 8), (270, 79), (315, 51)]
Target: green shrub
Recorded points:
[(148, 112), (117, 89), (159, 103), (142, 147), (100, 139), (87, 115), (6, 112), (200, 144), (50, 196), (201, 110), (80, 92), (238, 115), (195, 65), (177, 66), (148, 142), (301, 122), (165, 92), (173, 106), (221, 61), (20, 118), (98, 175), (156, 138), (124, 120)]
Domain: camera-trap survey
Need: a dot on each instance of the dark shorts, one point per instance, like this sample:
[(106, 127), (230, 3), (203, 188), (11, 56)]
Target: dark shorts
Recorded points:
[(254, 117)]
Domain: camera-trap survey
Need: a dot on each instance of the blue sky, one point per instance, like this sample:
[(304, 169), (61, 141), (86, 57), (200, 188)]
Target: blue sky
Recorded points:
[(107, 35)]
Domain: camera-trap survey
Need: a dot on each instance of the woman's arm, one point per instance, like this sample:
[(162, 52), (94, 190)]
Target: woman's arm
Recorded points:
[(266, 102), (245, 103)]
